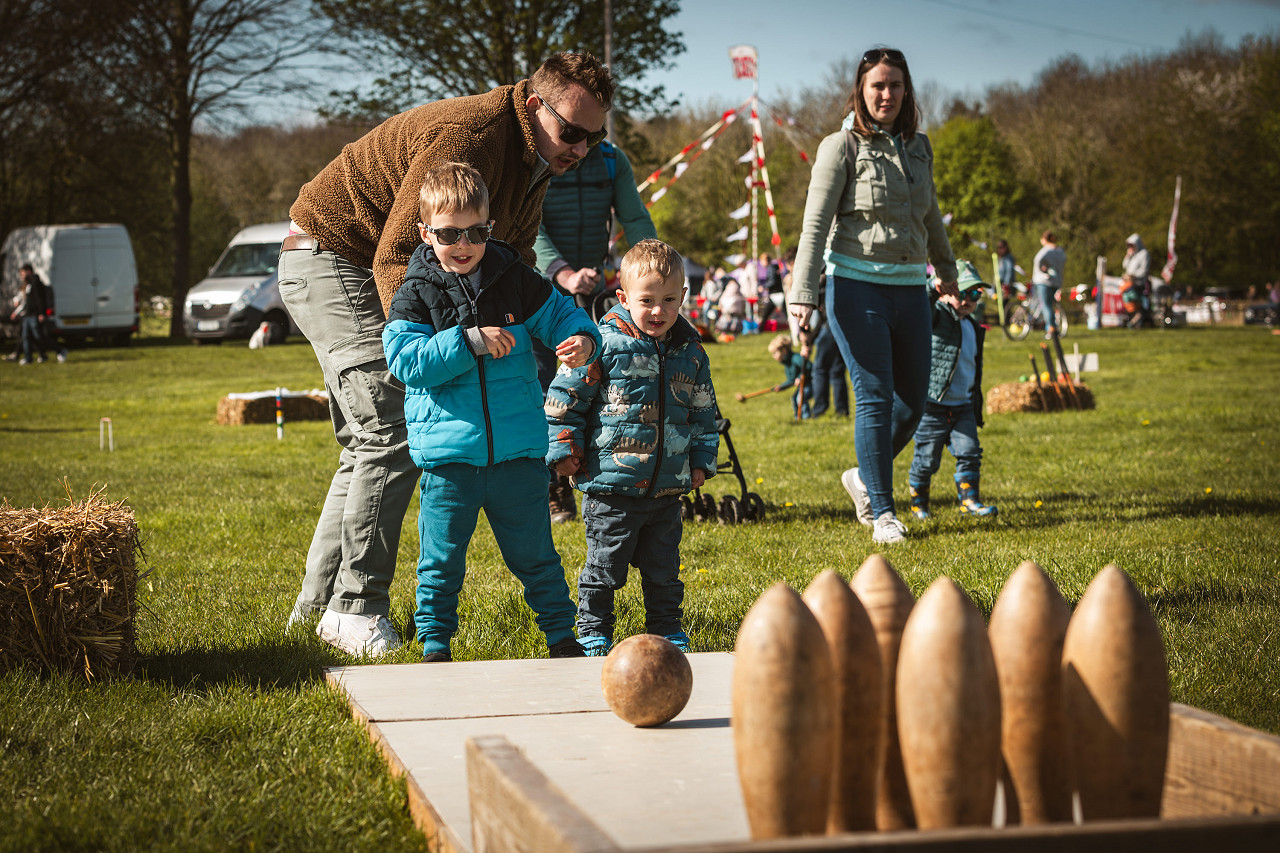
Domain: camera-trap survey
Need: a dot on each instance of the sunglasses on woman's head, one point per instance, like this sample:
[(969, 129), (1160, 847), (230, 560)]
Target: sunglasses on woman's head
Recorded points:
[(572, 134), (878, 53), (476, 234)]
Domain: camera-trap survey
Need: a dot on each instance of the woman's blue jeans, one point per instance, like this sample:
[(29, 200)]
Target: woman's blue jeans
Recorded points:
[(883, 333), (1048, 296)]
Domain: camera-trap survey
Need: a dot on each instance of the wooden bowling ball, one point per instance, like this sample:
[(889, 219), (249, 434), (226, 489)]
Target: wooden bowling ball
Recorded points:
[(646, 680)]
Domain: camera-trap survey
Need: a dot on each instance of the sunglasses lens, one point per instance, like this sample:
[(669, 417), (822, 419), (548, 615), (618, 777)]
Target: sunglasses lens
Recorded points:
[(448, 236), (478, 234), (876, 53)]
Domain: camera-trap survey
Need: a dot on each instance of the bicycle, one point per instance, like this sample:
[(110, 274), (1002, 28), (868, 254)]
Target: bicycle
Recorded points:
[(1022, 312)]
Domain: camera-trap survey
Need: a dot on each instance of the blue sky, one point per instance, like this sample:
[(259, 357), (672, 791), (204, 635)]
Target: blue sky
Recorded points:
[(963, 45)]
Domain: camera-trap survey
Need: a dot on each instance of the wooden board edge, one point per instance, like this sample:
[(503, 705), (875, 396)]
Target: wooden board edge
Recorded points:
[(1218, 767), (1221, 835), (514, 807), (440, 837)]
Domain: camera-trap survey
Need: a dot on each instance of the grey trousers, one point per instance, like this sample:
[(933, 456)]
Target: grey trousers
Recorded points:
[(353, 552)]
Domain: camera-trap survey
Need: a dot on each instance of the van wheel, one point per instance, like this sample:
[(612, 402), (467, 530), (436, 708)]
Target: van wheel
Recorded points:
[(278, 326)]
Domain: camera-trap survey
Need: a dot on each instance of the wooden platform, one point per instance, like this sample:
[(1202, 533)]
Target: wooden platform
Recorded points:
[(421, 716), (526, 755)]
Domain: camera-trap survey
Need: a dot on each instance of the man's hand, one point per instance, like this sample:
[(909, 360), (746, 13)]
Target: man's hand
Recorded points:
[(580, 282), (497, 340), (699, 477), (802, 313), (568, 466), (574, 351)]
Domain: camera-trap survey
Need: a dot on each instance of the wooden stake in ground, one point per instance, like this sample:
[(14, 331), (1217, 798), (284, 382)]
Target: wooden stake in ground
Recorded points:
[(1035, 372)]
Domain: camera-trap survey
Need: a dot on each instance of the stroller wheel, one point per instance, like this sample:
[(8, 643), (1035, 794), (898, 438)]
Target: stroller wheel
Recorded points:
[(686, 509), (704, 508), (754, 507), (731, 510)]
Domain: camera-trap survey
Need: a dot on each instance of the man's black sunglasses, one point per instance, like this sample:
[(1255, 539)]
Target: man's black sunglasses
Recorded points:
[(476, 234), (877, 53), (572, 134)]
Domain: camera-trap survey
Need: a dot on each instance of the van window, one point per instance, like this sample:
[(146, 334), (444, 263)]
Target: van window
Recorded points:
[(248, 259)]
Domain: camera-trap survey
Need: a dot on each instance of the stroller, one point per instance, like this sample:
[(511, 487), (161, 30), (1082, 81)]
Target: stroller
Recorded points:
[(730, 509)]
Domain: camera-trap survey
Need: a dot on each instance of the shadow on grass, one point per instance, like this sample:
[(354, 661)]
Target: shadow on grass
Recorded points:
[(284, 664), (1190, 599), (44, 429)]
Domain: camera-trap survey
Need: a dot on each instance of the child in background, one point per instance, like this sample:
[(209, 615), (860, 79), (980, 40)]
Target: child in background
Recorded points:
[(732, 306), (799, 373), (636, 430), (953, 412), (459, 336)]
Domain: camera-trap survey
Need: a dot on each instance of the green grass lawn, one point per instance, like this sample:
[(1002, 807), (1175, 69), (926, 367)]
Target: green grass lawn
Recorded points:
[(226, 735)]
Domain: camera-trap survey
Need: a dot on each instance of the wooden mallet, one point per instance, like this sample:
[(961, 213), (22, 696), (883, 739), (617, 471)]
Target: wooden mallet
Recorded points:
[(742, 398)]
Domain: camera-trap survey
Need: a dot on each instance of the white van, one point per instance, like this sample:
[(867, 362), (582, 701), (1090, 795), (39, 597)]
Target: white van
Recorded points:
[(91, 270), (241, 290)]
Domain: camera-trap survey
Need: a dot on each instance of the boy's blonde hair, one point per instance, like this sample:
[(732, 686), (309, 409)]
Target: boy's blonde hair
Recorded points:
[(650, 256), (780, 343), (452, 188)]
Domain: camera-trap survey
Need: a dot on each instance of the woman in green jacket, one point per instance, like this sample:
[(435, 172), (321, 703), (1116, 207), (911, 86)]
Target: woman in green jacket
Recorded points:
[(872, 224)]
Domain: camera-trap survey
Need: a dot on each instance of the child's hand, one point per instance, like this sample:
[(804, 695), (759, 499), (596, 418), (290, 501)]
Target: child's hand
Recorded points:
[(574, 351), (699, 477), (497, 340), (568, 466)]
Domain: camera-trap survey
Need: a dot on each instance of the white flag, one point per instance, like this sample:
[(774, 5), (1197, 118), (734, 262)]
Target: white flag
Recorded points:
[(680, 167), (741, 212), (735, 260), (659, 194), (746, 158), (740, 234)]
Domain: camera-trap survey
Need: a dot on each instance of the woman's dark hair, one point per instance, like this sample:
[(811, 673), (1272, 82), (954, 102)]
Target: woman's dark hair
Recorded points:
[(908, 117)]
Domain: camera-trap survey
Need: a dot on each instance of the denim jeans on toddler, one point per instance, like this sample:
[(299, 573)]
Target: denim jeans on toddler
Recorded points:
[(625, 531), (953, 427)]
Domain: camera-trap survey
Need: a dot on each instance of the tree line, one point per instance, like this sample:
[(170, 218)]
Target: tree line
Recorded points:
[(138, 112)]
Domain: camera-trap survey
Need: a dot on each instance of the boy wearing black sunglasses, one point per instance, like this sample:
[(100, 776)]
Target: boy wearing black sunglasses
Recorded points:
[(459, 335)]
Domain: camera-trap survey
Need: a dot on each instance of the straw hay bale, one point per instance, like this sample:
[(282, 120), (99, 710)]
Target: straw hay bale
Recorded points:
[(68, 577), (1030, 397), (235, 410)]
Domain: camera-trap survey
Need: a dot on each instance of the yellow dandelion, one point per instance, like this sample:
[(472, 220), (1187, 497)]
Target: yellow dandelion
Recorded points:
[(682, 567), (1039, 504), (702, 571), (759, 480), (1208, 489), (788, 503), (1146, 423)]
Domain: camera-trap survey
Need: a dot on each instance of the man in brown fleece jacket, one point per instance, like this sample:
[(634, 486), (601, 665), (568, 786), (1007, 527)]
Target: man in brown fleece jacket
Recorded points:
[(355, 228)]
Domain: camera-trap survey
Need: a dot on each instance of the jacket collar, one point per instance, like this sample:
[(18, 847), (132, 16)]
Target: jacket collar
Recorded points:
[(498, 258), (682, 331)]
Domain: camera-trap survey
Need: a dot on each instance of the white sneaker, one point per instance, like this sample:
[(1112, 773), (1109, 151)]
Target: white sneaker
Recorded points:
[(888, 530), (62, 356), (852, 483), (358, 634)]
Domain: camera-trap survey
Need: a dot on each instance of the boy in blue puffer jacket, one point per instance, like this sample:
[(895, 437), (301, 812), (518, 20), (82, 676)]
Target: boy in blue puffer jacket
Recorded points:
[(636, 430), (459, 336)]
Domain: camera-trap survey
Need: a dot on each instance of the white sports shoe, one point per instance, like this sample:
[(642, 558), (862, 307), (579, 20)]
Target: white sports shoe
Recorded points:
[(889, 530), (852, 483), (358, 634)]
